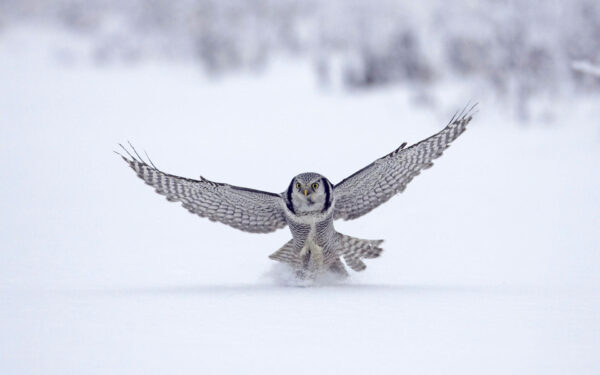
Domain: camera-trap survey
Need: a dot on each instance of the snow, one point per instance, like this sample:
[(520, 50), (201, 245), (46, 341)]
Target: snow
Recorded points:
[(491, 257)]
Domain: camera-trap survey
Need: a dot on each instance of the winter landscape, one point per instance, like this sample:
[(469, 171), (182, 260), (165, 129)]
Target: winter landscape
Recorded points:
[(492, 257)]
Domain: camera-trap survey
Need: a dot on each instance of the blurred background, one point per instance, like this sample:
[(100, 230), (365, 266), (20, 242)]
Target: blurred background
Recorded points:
[(492, 257), (521, 52)]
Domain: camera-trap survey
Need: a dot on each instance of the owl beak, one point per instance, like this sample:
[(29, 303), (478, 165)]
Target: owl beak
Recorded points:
[(305, 192)]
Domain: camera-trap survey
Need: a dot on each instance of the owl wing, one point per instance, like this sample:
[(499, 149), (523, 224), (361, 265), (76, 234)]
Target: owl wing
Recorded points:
[(245, 209), (385, 177)]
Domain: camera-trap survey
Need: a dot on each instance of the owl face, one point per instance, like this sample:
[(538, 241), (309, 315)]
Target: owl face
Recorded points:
[(309, 192)]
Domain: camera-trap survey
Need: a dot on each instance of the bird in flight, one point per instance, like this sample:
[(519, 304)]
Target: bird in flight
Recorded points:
[(310, 204)]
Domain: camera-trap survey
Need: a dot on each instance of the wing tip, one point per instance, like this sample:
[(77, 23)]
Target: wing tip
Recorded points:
[(468, 112), (464, 116), (133, 157)]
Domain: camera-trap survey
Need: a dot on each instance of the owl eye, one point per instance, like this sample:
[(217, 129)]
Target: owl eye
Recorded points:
[(315, 186), (298, 186)]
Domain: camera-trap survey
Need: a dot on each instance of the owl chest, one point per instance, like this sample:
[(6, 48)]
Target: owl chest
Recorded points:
[(312, 242), (309, 233)]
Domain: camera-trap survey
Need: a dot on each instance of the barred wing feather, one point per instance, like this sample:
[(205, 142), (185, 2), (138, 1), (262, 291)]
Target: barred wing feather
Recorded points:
[(246, 209), (379, 181)]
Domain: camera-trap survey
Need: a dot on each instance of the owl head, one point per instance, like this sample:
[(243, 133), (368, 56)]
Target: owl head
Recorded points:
[(309, 193)]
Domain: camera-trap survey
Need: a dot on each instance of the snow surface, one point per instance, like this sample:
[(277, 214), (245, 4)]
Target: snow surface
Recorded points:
[(491, 257)]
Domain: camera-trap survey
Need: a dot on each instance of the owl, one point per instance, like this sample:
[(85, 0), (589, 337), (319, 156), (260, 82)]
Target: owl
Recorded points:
[(310, 204)]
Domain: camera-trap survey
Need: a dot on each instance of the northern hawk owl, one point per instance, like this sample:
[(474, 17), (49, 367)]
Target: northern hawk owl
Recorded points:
[(309, 205)]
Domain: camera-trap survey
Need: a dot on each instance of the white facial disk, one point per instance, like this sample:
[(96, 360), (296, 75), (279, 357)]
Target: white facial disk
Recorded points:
[(309, 192)]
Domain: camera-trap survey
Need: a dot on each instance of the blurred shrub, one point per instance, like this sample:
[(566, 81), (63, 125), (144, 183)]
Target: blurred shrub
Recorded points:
[(521, 48)]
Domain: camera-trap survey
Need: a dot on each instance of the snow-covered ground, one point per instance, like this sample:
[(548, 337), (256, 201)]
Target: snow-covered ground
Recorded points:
[(491, 261)]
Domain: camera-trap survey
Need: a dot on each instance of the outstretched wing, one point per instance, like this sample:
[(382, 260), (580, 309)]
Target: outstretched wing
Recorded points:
[(245, 209), (389, 175)]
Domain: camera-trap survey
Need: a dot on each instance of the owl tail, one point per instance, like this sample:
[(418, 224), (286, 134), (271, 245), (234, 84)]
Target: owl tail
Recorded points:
[(286, 254), (353, 249), (350, 248)]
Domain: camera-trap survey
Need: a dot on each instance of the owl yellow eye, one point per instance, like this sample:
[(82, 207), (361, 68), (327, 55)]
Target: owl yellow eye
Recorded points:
[(315, 186), (298, 186)]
